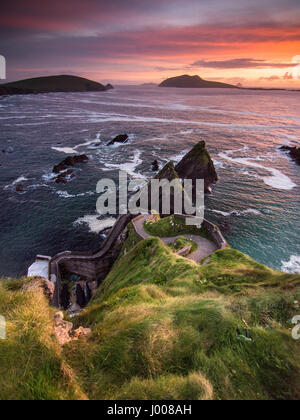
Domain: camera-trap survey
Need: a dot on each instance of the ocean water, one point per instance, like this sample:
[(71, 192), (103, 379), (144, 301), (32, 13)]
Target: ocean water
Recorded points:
[(257, 198)]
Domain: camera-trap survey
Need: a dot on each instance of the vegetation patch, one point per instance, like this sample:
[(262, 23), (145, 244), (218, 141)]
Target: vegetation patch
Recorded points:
[(163, 327), (183, 242), (31, 364), (172, 226), (159, 333)]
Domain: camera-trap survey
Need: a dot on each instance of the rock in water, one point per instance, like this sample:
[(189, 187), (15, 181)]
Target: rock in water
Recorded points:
[(122, 138), (294, 152), (69, 161), (63, 177), (155, 166), (197, 164)]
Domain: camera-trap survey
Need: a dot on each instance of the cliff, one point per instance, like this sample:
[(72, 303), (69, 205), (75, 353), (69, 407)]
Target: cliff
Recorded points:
[(186, 81), (50, 84), (198, 164)]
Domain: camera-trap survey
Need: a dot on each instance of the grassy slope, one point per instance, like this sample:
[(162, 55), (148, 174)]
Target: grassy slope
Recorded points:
[(164, 327), (31, 364)]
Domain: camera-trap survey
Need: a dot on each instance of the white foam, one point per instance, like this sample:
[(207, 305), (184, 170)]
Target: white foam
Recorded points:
[(186, 132), (17, 181), (111, 117), (95, 224), (67, 150), (291, 266), (65, 194), (179, 157), (237, 213), (219, 164), (277, 179), (129, 167), (73, 150)]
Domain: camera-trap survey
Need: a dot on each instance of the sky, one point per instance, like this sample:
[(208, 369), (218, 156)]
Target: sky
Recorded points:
[(253, 42)]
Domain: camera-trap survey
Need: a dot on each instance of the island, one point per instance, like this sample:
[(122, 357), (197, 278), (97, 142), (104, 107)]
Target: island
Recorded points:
[(50, 84), (187, 81)]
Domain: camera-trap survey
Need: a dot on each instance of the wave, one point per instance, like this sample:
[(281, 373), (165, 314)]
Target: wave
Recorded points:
[(277, 179), (65, 194), (17, 181), (182, 107), (129, 167), (67, 150), (177, 158), (291, 266), (186, 132), (236, 213), (72, 150), (110, 117), (218, 164), (95, 224)]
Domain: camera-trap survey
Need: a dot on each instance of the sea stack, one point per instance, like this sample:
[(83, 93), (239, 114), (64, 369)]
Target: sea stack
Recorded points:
[(198, 164)]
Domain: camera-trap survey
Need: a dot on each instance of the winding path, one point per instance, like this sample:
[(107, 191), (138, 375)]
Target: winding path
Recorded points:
[(205, 247)]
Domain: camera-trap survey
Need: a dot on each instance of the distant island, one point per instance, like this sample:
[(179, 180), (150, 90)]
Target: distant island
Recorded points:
[(186, 81), (63, 83)]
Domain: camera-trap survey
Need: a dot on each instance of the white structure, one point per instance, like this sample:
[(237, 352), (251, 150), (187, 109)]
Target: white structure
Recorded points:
[(40, 268), (2, 328), (2, 67)]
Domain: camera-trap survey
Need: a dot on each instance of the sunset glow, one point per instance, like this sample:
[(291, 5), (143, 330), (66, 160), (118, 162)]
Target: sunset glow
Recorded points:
[(253, 43)]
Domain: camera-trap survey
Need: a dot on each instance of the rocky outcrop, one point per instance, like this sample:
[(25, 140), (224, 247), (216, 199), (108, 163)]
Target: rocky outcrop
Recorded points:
[(168, 172), (64, 331), (293, 151), (69, 161), (197, 164), (155, 166), (109, 86), (122, 138), (65, 176)]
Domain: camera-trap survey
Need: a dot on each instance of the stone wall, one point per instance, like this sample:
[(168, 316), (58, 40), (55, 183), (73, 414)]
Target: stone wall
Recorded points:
[(88, 265)]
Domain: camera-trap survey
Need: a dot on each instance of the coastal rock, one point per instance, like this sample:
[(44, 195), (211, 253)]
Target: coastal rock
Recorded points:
[(70, 161), (109, 86), (168, 172), (293, 151), (122, 138), (64, 177), (19, 188), (155, 166), (197, 164), (64, 330)]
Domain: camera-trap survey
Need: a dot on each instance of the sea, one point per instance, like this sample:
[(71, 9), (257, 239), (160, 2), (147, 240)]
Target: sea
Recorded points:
[(256, 201)]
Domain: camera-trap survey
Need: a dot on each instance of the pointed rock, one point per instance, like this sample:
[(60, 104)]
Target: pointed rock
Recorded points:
[(198, 164)]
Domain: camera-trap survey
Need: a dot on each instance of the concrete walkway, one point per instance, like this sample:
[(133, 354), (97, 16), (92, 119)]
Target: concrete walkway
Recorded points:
[(205, 247)]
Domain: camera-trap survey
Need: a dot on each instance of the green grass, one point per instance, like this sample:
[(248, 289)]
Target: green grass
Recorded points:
[(181, 243), (132, 240), (172, 226), (159, 332), (31, 365), (163, 327)]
